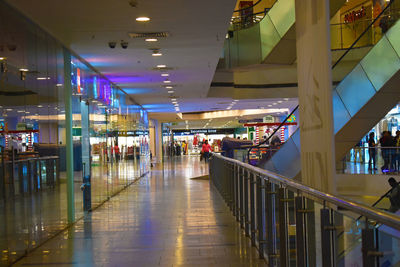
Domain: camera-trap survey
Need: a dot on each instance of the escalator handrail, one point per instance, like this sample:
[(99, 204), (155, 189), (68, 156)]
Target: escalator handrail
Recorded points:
[(362, 34), (273, 133), (381, 198), (334, 65)]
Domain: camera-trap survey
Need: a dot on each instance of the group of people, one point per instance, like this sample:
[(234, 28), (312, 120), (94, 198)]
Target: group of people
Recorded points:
[(390, 149)]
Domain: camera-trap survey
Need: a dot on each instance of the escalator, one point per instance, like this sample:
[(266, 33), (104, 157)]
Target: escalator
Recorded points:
[(360, 100), (272, 40)]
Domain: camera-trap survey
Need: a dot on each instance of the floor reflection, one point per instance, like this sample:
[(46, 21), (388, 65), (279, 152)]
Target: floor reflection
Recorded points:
[(27, 221), (164, 219)]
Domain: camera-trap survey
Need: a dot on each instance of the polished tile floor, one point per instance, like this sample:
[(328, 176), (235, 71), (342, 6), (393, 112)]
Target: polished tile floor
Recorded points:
[(165, 219), (28, 220)]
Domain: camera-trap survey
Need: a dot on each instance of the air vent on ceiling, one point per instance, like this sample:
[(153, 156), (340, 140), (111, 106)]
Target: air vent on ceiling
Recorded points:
[(148, 34), (163, 69)]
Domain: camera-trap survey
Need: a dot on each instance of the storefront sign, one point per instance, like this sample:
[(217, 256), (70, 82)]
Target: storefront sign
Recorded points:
[(355, 15), (129, 133), (78, 80), (252, 120), (204, 131), (268, 118)]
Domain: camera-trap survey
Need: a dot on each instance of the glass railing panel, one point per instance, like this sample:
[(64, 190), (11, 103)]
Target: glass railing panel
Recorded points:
[(249, 50), (348, 240), (342, 116), (389, 246), (269, 36), (381, 63), (283, 15), (355, 90)]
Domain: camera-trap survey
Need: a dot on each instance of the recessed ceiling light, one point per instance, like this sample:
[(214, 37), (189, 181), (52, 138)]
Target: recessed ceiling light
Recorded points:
[(173, 99), (274, 103), (169, 87), (20, 111), (39, 106), (23, 70), (280, 101), (174, 102), (269, 105), (228, 107), (9, 109), (161, 66), (2, 58), (167, 81), (156, 54), (286, 99), (235, 100), (164, 74), (151, 40), (43, 78), (142, 19), (59, 84), (171, 91)]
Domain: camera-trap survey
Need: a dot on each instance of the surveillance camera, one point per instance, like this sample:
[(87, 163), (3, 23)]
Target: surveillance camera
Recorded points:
[(112, 44), (12, 47), (124, 45), (133, 3)]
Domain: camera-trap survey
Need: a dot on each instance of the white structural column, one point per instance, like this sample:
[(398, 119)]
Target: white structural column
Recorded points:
[(315, 94), (156, 140)]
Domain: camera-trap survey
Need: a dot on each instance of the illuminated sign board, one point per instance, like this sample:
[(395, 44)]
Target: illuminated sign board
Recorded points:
[(78, 80), (204, 131)]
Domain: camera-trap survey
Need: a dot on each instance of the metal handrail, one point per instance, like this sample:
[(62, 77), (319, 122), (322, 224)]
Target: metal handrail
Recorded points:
[(353, 206)]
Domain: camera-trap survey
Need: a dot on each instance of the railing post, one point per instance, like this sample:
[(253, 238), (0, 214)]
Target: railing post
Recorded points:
[(241, 192), (301, 249), (270, 223), (253, 215), (310, 233), (231, 186), (246, 203), (260, 215), (235, 192), (326, 238), (369, 249), (283, 231)]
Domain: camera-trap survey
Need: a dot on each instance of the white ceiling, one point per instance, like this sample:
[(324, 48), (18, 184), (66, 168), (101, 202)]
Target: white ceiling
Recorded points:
[(197, 31)]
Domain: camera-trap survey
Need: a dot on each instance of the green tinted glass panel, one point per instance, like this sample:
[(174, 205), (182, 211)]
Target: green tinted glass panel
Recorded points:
[(381, 63), (394, 37), (269, 36), (249, 46), (355, 90), (340, 114), (283, 15)]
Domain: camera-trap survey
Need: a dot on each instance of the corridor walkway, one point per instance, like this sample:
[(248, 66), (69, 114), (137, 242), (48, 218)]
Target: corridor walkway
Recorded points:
[(166, 219)]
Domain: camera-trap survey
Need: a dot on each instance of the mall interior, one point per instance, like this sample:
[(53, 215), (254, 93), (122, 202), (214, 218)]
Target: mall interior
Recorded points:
[(194, 133)]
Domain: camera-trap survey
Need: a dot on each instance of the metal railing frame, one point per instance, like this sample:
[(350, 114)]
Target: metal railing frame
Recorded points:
[(255, 196)]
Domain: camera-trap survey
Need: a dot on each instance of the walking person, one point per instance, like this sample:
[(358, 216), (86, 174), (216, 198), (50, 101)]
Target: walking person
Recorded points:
[(397, 151), (394, 195), (386, 142), (372, 152), (206, 148)]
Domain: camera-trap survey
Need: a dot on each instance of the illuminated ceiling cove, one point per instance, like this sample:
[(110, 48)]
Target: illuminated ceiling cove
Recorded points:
[(190, 37)]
